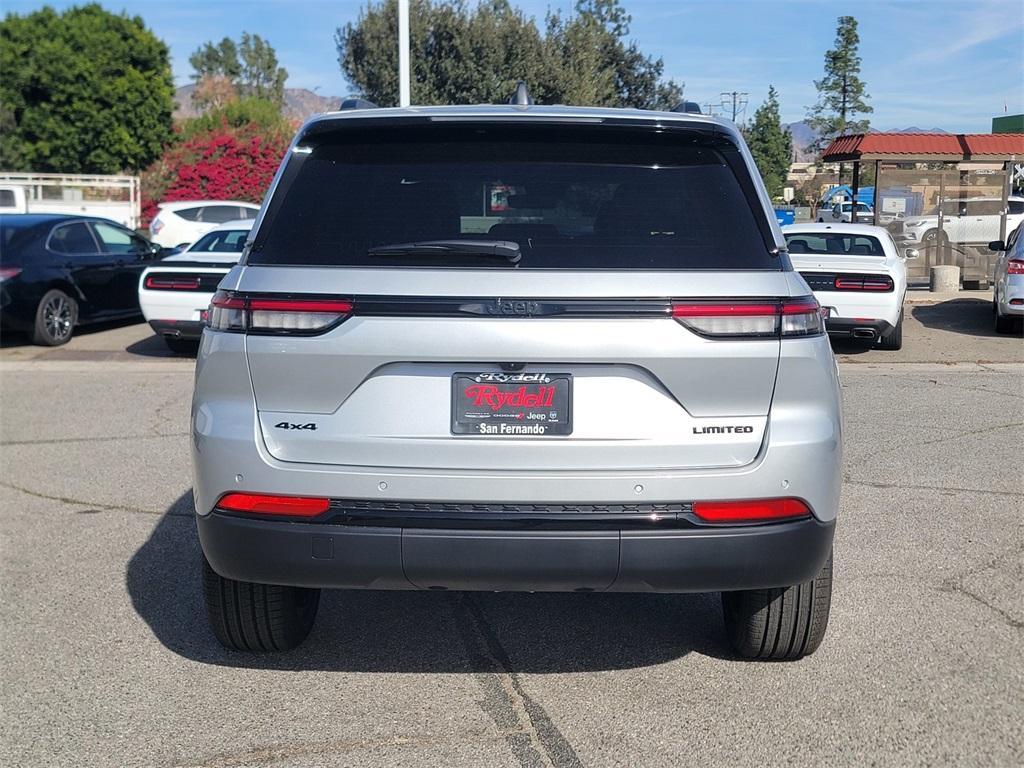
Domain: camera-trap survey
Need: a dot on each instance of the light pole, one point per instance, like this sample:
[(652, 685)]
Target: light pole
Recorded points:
[(403, 53)]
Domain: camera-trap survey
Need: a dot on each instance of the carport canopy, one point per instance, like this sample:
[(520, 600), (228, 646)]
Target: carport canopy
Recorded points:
[(1006, 149), (926, 147)]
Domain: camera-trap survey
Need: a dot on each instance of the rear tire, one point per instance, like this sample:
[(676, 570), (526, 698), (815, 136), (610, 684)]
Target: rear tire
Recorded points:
[(893, 340), (258, 617), (181, 346), (1006, 323), (779, 623), (56, 316)]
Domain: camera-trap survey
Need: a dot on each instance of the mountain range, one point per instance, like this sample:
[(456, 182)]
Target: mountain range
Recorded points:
[(299, 103), (804, 136)]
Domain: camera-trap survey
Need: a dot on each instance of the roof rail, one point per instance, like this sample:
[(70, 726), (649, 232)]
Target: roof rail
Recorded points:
[(689, 107), (521, 97), (357, 104)]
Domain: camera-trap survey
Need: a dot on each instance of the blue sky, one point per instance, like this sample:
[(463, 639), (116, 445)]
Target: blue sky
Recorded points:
[(950, 64)]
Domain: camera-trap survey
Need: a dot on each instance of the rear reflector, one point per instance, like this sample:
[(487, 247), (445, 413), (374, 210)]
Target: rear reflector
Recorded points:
[(262, 504), (6, 273), (261, 314), (1015, 267), (750, 511), (756, 319), (167, 282)]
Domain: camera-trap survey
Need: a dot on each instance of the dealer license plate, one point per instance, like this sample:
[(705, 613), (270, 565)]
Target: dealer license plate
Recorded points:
[(512, 404)]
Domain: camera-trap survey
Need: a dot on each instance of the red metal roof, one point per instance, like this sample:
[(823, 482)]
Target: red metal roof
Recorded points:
[(930, 145), (995, 143)]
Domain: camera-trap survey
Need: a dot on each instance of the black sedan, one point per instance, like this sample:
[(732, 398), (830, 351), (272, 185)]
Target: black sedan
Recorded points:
[(59, 271)]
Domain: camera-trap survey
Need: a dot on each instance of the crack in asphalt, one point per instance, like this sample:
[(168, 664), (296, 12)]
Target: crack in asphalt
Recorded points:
[(532, 737), (163, 418), (61, 440), (872, 484), (273, 753), (957, 436), (955, 584), (962, 590), (952, 385), (93, 505)]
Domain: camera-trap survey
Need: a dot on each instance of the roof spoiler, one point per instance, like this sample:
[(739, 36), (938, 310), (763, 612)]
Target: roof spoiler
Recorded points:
[(348, 104), (689, 107)]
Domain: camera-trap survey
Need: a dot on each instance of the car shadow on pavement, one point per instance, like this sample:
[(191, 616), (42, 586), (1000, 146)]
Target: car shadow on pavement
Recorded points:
[(850, 346), (972, 317), (21, 339), (154, 346), (382, 631)]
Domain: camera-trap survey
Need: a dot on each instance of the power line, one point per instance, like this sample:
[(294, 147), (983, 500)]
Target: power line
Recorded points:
[(738, 101)]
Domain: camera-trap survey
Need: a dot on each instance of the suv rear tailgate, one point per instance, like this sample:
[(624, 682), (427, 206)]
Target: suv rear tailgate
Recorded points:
[(647, 392)]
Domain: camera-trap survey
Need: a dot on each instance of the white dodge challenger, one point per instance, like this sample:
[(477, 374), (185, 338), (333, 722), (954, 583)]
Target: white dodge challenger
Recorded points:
[(175, 293), (858, 275)]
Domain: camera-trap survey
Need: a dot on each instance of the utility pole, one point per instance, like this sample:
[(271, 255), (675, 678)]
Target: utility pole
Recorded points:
[(403, 54), (739, 102)]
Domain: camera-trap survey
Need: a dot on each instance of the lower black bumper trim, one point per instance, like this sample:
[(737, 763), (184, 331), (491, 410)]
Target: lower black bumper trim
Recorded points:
[(366, 557)]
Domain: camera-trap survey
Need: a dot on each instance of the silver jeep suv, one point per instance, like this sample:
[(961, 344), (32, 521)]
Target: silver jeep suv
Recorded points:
[(517, 348)]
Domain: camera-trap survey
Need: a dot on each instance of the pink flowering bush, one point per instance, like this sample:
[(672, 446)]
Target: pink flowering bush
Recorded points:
[(224, 164)]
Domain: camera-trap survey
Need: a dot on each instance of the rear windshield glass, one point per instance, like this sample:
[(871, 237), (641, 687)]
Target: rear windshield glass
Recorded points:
[(224, 241), (834, 245), (568, 199)]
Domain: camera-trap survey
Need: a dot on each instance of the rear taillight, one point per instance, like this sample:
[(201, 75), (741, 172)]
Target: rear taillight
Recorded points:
[(758, 319), (265, 504), (6, 273), (867, 283), (243, 313), (155, 226), (750, 511), (1015, 267), (172, 283)]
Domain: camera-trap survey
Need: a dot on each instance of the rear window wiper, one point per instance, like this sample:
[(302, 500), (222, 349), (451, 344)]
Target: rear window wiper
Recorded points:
[(507, 249)]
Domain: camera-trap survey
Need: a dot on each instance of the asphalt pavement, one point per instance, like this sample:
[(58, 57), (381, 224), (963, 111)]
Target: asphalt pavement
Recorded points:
[(108, 661)]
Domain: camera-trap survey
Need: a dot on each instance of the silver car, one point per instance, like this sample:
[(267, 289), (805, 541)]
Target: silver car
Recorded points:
[(517, 348), (1008, 283)]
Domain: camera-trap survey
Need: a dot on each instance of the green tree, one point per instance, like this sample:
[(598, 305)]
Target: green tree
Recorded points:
[(251, 67), (83, 91), (841, 92), (260, 114), (216, 60), (464, 54), (770, 144)]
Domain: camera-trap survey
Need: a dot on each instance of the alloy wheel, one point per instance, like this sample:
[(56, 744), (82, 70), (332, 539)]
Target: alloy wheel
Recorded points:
[(57, 318)]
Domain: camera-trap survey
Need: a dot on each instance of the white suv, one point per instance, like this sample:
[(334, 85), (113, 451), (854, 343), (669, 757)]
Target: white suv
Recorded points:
[(971, 220), (184, 222)]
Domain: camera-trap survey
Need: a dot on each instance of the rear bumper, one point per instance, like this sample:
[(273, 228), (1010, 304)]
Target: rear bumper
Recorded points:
[(178, 329), (363, 557), (1011, 297), (850, 328)]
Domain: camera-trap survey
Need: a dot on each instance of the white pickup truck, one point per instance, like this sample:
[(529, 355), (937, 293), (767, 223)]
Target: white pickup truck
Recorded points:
[(109, 197)]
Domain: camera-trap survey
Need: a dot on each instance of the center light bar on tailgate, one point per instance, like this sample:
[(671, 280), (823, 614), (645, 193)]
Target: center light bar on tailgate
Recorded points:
[(739, 318)]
